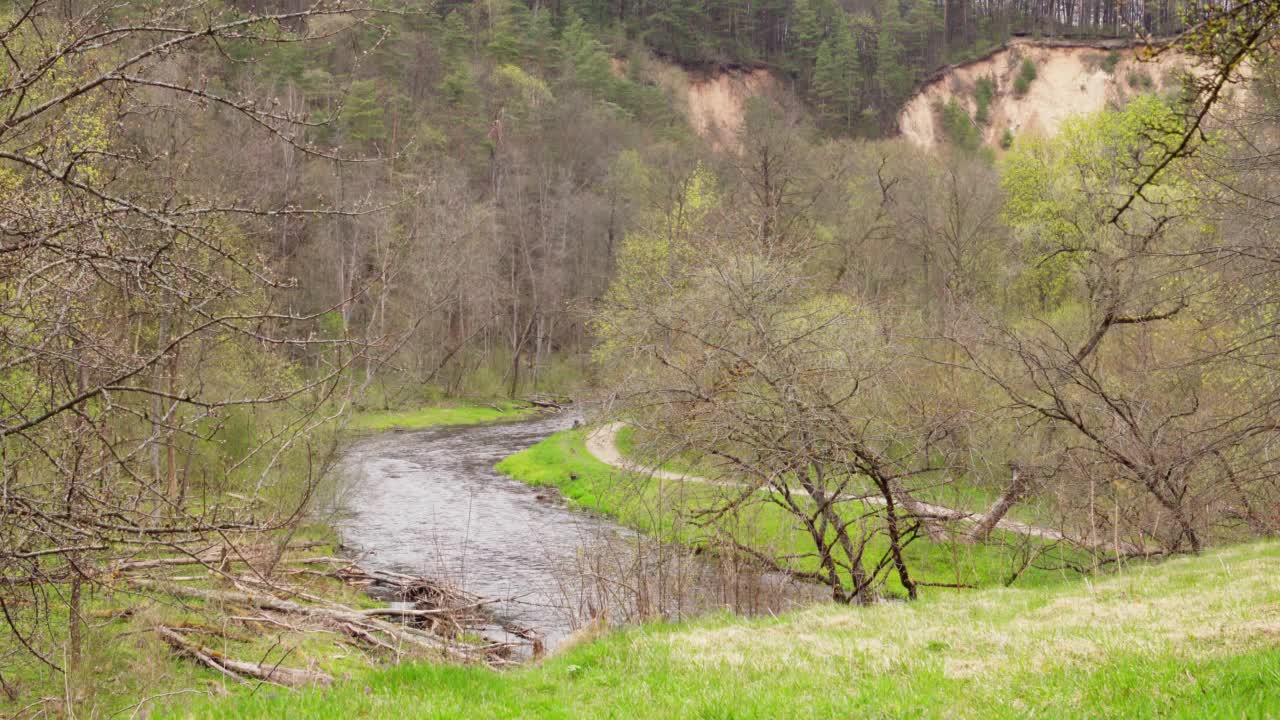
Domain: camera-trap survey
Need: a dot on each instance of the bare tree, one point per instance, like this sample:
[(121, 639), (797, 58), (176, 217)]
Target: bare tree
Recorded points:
[(795, 399), (1137, 361), (157, 394)]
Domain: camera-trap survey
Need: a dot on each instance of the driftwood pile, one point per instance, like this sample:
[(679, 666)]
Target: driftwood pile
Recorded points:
[(424, 618), (549, 402)]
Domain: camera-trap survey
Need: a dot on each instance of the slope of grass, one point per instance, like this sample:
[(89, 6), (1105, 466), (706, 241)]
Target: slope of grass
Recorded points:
[(126, 661), (1191, 638), (939, 488), (662, 508), (436, 415)]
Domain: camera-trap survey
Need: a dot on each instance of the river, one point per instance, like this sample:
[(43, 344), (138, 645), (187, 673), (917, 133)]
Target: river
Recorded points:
[(429, 503)]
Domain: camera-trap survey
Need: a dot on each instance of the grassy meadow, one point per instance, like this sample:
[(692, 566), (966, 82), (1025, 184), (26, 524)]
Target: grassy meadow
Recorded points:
[(1195, 637)]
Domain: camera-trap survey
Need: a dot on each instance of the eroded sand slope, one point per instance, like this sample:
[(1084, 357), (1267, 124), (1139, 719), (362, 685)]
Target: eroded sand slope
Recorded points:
[(714, 101), (1070, 80)]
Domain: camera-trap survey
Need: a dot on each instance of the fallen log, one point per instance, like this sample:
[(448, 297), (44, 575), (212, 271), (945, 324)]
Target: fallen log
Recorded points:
[(163, 562), (367, 637), (988, 521), (220, 557), (420, 613), (550, 403), (289, 677)]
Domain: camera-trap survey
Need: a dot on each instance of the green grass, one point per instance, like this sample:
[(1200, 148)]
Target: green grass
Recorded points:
[(1191, 638), (453, 414), (634, 446), (562, 461), (664, 508), (959, 492)]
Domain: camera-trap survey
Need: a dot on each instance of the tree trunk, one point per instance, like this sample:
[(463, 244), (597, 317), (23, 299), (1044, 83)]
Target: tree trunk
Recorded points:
[(988, 522)]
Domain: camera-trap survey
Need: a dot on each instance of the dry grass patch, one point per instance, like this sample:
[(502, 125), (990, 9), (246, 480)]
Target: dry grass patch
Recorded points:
[(1191, 608)]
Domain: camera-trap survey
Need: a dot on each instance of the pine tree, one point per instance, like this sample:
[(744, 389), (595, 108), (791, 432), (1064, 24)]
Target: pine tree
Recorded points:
[(676, 28), (923, 22), (595, 12), (542, 39), (362, 113), (457, 87), (510, 29), (457, 36), (836, 76), (807, 36), (732, 24), (585, 56), (827, 81), (893, 75)]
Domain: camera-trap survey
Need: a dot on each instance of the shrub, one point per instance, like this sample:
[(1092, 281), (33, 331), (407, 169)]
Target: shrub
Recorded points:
[(1140, 80), (1006, 140), (957, 126), (1026, 75), (983, 92), (1112, 59)]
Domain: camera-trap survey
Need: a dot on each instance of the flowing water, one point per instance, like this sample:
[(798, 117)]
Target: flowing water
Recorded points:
[(429, 503)]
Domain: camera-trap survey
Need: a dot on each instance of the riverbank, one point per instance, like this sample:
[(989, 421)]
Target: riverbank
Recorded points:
[(438, 415), (1193, 637), (665, 507), (133, 663), (129, 636)]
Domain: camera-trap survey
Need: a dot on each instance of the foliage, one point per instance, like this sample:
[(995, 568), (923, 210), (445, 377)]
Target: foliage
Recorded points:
[(457, 87), (129, 663), (563, 462), (363, 113), (665, 241), (1026, 76), (156, 395), (741, 345), (819, 317), (958, 127), (1107, 281), (857, 82), (983, 92), (837, 80), (1058, 188), (1110, 61), (1140, 80)]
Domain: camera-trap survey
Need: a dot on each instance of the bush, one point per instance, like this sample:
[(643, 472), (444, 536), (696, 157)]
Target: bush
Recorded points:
[(1006, 140), (1026, 75), (983, 93), (1140, 80), (958, 127), (1112, 59)]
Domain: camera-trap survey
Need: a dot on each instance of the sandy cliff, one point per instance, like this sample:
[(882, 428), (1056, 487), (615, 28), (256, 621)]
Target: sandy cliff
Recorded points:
[(1071, 79)]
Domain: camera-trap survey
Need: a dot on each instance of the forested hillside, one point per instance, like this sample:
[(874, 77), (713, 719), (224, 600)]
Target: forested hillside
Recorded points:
[(525, 133), (508, 157), (531, 135), (859, 61)]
